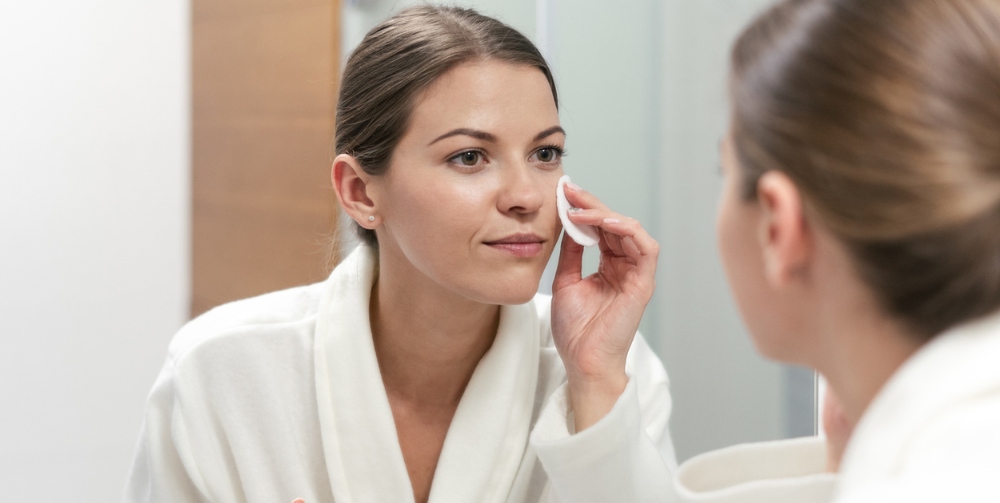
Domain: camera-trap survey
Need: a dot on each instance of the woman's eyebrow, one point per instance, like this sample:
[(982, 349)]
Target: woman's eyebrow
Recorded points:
[(482, 135), (549, 132)]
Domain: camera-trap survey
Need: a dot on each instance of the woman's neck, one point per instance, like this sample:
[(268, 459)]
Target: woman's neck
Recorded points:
[(867, 355), (428, 340), (861, 346)]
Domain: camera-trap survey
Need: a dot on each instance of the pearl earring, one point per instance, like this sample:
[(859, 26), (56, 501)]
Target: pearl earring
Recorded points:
[(371, 218)]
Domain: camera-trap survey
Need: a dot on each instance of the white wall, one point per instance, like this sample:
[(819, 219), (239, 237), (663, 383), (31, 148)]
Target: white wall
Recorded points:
[(94, 204), (724, 392)]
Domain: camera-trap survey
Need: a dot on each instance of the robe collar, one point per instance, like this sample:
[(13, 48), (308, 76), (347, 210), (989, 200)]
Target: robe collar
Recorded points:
[(955, 367), (487, 437)]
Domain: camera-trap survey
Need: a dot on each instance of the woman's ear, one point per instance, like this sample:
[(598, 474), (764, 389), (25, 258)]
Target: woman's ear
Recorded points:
[(353, 189), (784, 234)]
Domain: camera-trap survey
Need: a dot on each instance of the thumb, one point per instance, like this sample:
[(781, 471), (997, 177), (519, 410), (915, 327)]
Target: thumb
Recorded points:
[(570, 265)]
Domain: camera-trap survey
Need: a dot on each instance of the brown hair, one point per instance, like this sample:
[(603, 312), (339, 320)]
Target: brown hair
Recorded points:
[(398, 59), (886, 115)]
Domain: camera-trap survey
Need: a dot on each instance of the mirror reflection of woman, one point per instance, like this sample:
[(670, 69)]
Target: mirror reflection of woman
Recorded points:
[(859, 228), (420, 369)]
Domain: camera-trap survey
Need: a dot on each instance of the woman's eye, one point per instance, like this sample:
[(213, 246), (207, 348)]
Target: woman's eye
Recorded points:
[(548, 154), (468, 158)]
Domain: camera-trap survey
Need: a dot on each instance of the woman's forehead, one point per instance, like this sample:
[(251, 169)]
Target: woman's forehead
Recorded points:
[(492, 96)]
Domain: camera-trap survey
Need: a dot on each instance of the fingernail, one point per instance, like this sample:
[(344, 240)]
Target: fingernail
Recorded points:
[(573, 186), (612, 221), (575, 209)]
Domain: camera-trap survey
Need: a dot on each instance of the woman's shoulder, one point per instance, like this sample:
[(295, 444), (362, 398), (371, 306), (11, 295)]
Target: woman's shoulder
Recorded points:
[(250, 321)]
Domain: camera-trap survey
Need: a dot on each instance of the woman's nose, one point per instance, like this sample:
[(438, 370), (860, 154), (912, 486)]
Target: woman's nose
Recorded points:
[(522, 191)]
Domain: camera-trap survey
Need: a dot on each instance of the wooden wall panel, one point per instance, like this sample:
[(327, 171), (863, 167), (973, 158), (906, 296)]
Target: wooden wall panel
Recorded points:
[(264, 97)]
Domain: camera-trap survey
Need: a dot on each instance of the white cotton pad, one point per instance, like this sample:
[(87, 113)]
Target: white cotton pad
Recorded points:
[(586, 235)]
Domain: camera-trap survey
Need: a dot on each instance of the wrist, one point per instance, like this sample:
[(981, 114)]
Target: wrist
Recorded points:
[(591, 398), (590, 370), (604, 383)]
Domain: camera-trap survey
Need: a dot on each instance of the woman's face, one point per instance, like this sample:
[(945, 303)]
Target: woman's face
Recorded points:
[(738, 228), (468, 202)]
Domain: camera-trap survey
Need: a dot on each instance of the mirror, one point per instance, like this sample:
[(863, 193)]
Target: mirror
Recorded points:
[(642, 97), (97, 203)]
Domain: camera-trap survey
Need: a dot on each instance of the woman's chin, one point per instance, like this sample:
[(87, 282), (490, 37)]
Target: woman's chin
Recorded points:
[(515, 298), (523, 298), (508, 293), (779, 349)]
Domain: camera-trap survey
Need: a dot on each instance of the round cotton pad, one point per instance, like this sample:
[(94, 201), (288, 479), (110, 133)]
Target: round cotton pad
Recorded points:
[(586, 235)]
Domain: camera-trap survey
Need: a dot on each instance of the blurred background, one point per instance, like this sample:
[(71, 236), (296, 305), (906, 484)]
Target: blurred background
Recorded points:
[(160, 158)]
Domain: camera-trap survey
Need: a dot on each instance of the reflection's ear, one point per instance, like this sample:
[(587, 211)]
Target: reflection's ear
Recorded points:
[(351, 184), (784, 234)]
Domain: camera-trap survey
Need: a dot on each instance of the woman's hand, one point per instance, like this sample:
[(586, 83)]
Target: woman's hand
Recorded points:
[(594, 319)]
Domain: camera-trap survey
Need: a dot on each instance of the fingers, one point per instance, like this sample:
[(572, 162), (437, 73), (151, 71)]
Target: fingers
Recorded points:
[(591, 211), (582, 199), (636, 244), (614, 229), (629, 247), (570, 265), (621, 236), (610, 243)]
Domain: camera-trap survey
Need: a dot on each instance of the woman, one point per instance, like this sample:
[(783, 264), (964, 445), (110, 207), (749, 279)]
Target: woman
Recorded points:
[(417, 371), (860, 228), (860, 232)]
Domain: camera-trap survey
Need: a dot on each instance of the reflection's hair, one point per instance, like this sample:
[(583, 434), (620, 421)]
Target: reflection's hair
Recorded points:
[(886, 114), (399, 58)]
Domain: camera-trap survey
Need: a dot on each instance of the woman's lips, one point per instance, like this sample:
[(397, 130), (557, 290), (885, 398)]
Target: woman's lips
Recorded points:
[(519, 245)]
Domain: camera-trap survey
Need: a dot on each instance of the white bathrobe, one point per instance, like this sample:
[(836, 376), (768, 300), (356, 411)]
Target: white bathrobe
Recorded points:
[(932, 434), (280, 397)]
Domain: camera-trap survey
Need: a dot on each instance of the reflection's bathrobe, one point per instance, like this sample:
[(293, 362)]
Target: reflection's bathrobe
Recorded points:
[(280, 397), (932, 434)]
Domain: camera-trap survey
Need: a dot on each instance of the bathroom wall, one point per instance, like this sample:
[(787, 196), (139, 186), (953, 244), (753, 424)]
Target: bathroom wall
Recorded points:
[(94, 224)]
